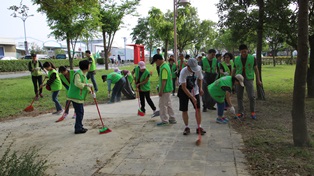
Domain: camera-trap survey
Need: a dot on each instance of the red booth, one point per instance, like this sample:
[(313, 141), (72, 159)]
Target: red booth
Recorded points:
[(139, 53)]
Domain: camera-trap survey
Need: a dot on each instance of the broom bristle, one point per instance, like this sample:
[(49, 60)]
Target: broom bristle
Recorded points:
[(140, 113), (29, 108), (198, 142), (104, 130)]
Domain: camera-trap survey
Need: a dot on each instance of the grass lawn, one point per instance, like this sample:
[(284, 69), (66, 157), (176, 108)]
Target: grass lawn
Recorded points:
[(268, 140), (17, 94)]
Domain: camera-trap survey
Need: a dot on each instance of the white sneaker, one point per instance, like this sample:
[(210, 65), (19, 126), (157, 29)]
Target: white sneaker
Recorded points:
[(59, 112), (65, 115)]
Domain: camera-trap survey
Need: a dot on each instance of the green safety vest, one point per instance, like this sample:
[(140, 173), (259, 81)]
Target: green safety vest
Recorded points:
[(168, 86), (226, 68), (114, 77), (248, 68), (37, 71), (207, 67), (173, 69), (64, 79), (74, 92), (93, 64), (215, 90), (56, 85), (146, 86)]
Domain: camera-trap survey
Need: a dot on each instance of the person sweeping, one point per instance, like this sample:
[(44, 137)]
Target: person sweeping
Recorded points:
[(118, 80), (142, 81), (79, 88), (54, 85), (66, 76)]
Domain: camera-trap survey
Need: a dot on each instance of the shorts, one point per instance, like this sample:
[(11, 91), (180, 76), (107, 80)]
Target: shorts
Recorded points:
[(184, 100)]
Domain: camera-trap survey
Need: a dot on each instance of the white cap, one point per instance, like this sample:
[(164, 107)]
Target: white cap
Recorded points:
[(240, 78)]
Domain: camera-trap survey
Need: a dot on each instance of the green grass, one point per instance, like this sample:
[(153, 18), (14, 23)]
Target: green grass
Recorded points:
[(17, 94), (268, 141)]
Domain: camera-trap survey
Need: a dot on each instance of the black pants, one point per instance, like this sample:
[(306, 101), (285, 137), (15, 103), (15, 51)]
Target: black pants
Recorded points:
[(146, 95), (174, 85), (209, 78), (38, 79), (116, 91)]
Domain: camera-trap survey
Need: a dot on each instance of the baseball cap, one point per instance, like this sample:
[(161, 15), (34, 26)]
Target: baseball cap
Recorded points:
[(117, 70), (192, 63), (240, 78), (141, 64), (156, 57)]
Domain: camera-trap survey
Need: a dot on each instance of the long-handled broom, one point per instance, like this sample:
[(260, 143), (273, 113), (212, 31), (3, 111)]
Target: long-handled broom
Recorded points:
[(199, 138), (104, 129), (139, 111), (30, 107)]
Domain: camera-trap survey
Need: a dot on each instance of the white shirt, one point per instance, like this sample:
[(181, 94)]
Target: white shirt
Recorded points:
[(185, 73)]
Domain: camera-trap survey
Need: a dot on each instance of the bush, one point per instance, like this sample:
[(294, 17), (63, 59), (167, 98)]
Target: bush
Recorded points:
[(100, 61), (22, 65), (27, 164)]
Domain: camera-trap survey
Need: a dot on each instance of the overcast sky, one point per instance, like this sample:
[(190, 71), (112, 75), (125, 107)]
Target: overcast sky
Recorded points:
[(37, 29)]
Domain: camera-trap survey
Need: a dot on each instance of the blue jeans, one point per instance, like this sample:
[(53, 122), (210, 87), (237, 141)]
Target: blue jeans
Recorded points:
[(79, 111), (220, 109), (116, 91), (90, 75), (55, 99)]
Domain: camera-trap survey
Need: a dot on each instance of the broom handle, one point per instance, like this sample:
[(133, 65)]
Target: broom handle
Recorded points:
[(196, 116), (98, 109)]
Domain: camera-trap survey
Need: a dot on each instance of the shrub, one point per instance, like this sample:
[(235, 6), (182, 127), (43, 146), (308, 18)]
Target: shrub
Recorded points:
[(100, 61), (27, 164), (22, 65)]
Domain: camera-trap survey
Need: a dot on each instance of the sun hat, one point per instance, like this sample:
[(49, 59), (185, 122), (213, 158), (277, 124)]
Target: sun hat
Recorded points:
[(141, 64), (192, 63), (240, 78)]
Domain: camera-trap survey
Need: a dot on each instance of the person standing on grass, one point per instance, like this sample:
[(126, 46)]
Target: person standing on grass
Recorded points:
[(190, 88), (245, 64), (165, 88), (209, 67), (119, 81), (66, 76), (220, 90), (79, 87), (92, 70), (36, 68), (142, 82), (173, 68), (54, 84)]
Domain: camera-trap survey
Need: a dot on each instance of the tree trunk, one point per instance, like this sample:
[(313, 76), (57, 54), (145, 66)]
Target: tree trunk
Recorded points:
[(299, 126), (166, 50), (260, 89), (69, 52), (105, 50), (310, 74)]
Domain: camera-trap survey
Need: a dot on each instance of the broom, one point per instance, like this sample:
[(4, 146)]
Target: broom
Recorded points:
[(199, 139), (139, 111), (30, 107), (104, 129)]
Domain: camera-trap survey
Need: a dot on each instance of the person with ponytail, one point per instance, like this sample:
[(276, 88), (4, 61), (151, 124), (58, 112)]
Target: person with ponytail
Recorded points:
[(54, 84)]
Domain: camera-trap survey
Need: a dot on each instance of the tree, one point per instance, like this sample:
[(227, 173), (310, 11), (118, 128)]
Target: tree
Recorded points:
[(299, 127), (143, 34), (112, 14), (68, 19), (162, 27), (310, 75)]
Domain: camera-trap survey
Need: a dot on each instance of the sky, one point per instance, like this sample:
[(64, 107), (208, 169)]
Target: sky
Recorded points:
[(38, 31)]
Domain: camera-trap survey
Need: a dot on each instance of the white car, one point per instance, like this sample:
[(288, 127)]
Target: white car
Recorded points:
[(8, 58)]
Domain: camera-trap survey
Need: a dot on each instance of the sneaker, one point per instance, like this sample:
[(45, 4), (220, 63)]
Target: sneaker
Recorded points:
[(186, 131), (41, 95), (162, 124), (58, 112), (172, 121), (225, 119), (253, 115), (83, 130), (239, 116), (212, 108), (74, 116), (220, 121), (200, 130), (155, 114), (204, 109)]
